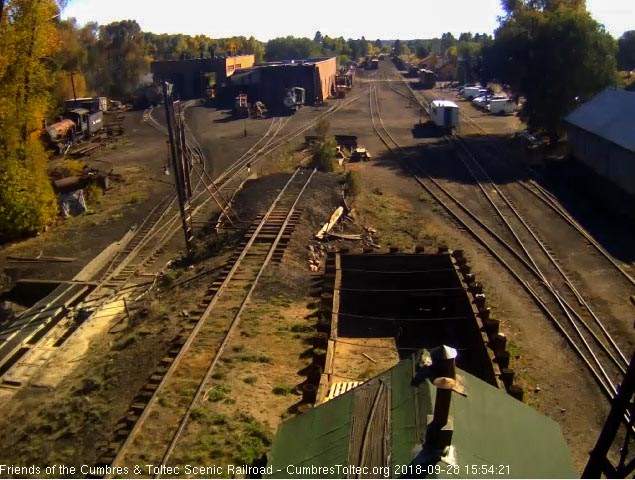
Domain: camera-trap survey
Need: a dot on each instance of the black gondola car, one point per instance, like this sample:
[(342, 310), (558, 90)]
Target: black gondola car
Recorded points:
[(427, 78)]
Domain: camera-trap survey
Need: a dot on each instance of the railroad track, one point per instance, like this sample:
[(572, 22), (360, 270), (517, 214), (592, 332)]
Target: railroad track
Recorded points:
[(530, 185), (147, 242), (151, 429), (527, 259)]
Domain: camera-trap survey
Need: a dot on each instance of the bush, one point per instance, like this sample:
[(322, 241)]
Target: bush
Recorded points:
[(324, 156), (353, 184), (74, 167), (302, 328), (27, 202), (322, 128), (282, 390), (93, 193), (254, 358), (219, 392)]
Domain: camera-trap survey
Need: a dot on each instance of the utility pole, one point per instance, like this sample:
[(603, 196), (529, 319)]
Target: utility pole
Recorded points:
[(72, 74), (177, 155)]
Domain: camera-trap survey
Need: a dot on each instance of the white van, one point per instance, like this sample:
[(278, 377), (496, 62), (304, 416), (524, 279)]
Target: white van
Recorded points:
[(501, 106), (471, 92)]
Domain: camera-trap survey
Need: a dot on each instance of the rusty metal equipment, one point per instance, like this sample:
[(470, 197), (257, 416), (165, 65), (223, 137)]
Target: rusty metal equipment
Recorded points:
[(346, 141), (360, 154)]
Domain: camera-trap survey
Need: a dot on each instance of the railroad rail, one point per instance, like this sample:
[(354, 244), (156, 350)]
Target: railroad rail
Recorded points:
[(531, 185), (537, 276), (151, 429), (50, 324)]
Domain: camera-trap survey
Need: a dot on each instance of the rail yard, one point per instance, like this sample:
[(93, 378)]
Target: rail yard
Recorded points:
[(151, 356)]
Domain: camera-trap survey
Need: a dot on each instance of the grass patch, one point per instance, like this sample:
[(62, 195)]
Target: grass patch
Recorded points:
[(199, 415), (74, 167), (282, 390), (218, 375), (302, 328), (253, 441), (187, 392), (218, 419), (93, 193), (250, 380), (255, 358), (125, 342), (280, 301), (214, 244), (219, 392), (514, 350), (392, 217), (353, 183)]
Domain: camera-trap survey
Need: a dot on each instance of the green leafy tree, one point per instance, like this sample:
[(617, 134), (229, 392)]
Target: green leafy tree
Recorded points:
[(122, 61), (626, 51), (291, 48), (555, 56), (447, 41), (468, 53), (27, 36), (324, 154), (422, 48)]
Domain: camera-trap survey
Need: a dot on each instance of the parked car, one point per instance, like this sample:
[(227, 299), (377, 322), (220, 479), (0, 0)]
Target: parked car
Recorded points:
[(527, 140), (462, 88), (473, 92), (485, 100)]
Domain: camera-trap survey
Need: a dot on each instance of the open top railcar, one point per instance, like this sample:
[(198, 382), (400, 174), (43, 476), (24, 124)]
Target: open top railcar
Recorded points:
[(427, 78)]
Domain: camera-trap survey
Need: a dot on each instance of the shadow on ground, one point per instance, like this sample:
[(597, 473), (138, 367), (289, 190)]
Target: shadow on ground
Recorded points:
[(575, 187)]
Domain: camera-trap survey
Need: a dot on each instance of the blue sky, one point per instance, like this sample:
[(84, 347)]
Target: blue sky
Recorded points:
[(353, 18)]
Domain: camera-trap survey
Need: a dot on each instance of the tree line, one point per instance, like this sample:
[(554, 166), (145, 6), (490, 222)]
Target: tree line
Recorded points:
[(552, 52)]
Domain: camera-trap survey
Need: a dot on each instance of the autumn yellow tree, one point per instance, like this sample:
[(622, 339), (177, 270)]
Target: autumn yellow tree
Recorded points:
[(27, 36)]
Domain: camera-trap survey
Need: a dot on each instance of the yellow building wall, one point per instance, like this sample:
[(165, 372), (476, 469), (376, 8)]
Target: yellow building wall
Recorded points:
[(237, 62)]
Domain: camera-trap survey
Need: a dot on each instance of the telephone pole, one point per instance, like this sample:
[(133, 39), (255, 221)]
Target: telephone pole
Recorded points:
[(179, 164)]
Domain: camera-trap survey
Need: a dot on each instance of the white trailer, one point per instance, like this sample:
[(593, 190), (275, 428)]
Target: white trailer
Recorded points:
[(500, 106), (444, 114)]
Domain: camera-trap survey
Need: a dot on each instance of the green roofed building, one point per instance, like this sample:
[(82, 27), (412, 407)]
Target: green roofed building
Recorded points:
[(383, 427)]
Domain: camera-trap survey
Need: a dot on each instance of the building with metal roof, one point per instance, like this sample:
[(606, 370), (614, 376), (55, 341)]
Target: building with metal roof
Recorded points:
[(421, 419), (269, 81), (601, 136), (191, 77)]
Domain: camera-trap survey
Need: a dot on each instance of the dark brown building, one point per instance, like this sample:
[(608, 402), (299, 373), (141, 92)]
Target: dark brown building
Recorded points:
[(268, 82), (192, 77)]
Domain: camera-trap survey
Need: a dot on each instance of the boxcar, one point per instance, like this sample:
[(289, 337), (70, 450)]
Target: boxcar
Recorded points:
[(444, 114)]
